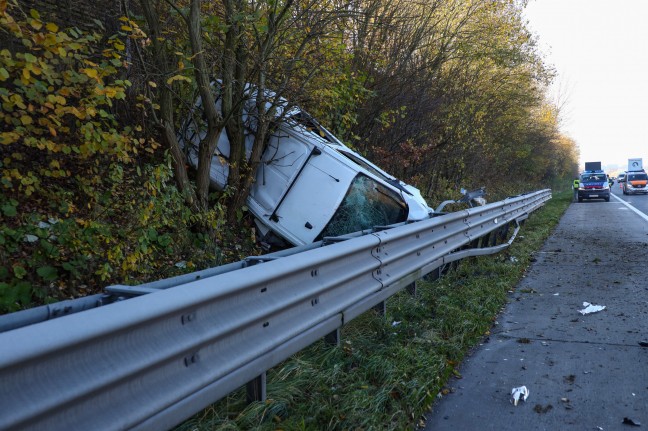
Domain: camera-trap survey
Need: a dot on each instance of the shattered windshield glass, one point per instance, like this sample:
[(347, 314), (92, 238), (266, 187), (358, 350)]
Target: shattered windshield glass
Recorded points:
[(366, 204)]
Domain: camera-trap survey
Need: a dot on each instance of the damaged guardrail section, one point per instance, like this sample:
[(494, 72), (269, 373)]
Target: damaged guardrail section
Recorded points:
[(152, 361)]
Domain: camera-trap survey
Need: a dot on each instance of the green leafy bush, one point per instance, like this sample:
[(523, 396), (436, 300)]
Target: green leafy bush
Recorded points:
[(85, 199)]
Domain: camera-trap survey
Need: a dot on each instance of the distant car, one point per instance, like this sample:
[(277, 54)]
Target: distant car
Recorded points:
[(593, 185), (621, 177), (309, 184), (636, 182)]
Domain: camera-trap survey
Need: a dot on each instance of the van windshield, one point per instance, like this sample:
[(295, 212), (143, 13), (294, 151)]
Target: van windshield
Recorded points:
[(366, 204), (636, 177), (593, 177)]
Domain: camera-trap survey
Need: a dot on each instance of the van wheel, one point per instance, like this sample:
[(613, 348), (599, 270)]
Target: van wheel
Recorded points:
[(580, 199), (607, 199)]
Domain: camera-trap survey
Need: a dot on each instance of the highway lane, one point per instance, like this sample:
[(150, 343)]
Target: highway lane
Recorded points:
[(583, 371), (640, 202)]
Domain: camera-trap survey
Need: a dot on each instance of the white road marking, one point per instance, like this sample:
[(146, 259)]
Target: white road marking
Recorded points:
[(630, 207)]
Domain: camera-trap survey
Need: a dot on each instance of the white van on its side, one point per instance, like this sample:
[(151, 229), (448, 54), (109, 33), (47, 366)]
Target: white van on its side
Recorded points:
[(309, 184)]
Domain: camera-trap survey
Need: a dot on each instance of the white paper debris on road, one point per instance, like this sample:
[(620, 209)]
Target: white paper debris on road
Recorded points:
[(591, 308), (517, 393)]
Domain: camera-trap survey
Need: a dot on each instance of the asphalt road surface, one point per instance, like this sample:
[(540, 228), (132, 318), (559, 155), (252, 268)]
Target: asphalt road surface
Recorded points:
[(582, 371)]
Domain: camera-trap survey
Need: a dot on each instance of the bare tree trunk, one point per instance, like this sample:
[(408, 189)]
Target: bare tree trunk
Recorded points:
[(166, 119), (234, 80), (213, 118)]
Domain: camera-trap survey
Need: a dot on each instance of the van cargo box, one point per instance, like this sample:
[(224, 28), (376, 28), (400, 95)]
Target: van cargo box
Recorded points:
[(635, 165)]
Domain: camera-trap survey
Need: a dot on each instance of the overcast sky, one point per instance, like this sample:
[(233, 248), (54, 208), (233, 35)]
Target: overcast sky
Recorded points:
[(600, 51)]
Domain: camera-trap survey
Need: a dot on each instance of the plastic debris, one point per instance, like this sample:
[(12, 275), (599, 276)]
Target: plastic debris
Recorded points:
[(513, 259), (181, 264), (395, 323), (590, 308), (31, 238), (517, 393)]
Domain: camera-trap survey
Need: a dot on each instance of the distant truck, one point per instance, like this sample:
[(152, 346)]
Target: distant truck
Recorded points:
[(635, 165)]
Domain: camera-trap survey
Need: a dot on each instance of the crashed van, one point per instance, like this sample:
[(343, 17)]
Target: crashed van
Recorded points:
[(309, 185)]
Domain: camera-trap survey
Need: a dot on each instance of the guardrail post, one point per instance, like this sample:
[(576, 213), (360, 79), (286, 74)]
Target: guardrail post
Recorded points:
[(256, 389), (492, 239), (433, 275), (502, 232), (381, 308), (485, 240), (411, 288), (506, 230), (476, 243), (333, 338)]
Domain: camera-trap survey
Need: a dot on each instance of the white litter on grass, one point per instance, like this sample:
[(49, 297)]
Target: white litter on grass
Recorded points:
[(590, 308), (395, 323), (517, 393)]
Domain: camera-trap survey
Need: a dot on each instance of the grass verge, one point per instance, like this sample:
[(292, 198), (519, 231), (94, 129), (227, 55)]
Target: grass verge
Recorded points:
[(388, 370)]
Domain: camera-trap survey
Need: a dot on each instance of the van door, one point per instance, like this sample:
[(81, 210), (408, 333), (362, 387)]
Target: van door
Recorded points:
[(311, 198)]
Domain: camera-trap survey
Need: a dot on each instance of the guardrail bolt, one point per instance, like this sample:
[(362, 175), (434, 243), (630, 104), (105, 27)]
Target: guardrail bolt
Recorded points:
[(188, 318), (314, 272), (190, 360)]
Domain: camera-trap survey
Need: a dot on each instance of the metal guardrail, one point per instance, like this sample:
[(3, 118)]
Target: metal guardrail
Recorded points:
[(154, 360)]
